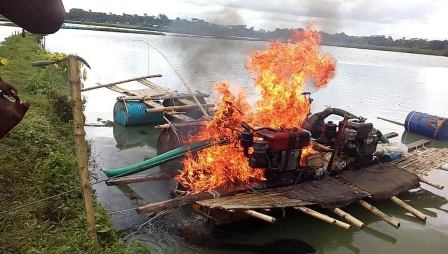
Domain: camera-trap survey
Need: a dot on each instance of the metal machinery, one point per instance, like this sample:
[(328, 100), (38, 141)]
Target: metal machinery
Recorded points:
[(277, 151)]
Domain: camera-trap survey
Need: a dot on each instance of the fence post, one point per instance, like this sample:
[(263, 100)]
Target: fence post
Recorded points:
[(81, 145)]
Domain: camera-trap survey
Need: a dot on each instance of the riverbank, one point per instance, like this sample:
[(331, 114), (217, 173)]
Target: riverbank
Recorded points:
[(37, 161)]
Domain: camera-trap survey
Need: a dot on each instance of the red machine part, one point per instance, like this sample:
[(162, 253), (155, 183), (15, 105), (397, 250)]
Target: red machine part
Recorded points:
[(285, 140)]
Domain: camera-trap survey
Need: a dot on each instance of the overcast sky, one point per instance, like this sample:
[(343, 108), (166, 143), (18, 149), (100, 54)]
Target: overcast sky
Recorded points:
[(397, 18)]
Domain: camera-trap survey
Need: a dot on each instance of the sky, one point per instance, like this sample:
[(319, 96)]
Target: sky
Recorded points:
[(397, 18)]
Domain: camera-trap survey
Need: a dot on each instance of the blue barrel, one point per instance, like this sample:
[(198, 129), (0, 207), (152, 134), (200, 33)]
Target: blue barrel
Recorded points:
[(129, 113), (427, 125)]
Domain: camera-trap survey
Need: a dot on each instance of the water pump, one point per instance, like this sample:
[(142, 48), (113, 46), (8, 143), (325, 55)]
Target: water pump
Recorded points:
[(274, 150)]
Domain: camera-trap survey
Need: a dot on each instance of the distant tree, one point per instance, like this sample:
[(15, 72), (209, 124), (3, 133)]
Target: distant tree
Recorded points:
[(201, 27)]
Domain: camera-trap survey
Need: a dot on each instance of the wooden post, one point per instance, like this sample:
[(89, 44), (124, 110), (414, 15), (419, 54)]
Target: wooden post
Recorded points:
[(323, 217), (81, 146), (378, 213), (349, 218), (409, 208)]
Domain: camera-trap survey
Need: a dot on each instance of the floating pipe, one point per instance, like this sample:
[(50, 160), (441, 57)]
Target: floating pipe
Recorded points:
[(159, 159)]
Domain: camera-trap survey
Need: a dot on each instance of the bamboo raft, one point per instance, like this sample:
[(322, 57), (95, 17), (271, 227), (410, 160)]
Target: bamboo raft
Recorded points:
[(180, 105), (330, 193)]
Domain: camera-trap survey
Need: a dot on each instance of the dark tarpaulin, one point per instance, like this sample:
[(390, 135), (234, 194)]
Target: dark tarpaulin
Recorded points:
[(328, 193), (382, 181)]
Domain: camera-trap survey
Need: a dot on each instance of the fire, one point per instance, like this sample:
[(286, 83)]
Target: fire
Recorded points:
[(280, 75)]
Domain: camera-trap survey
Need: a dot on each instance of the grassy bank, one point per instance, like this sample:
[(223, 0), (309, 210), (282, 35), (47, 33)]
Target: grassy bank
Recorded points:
[(37, 161)]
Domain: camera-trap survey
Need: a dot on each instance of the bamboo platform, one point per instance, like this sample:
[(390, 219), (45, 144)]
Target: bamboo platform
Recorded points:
[(422, 161), (352, 187), (153, 94)]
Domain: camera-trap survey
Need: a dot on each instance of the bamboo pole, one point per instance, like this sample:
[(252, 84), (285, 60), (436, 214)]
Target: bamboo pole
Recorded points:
[(119, 82), (323, 217), (139, 179), (80, 144), (431, 183), (174, 108), (409, 208), (349, 218), (207, 116), (180, 125), (191, 199), (161, 97), (378, 213), (391, 121), (260, 216)]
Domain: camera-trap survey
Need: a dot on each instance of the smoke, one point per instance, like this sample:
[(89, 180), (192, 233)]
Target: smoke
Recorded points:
[(224, 16), (199, 56), (323, 13)]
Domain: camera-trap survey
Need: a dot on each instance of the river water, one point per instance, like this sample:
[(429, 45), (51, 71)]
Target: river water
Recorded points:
[(368, 83)]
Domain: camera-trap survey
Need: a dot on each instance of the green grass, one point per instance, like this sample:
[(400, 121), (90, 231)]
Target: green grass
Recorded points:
[(37, 160)]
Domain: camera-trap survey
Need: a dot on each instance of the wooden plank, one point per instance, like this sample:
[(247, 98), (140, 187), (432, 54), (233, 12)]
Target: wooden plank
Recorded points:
[(253, 201), (418, 144)]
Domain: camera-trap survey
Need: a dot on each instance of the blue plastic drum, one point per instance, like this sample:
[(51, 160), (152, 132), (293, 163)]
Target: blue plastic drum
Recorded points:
[(129, 113), (427, 125)]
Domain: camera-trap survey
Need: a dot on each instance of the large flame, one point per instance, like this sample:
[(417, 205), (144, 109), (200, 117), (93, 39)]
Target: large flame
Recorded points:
[(280, 75)]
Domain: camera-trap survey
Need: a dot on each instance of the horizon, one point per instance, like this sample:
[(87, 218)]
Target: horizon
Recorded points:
[(419, 19)]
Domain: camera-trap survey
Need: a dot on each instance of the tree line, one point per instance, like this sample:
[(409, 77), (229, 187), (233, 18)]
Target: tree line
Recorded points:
[(201, 27)]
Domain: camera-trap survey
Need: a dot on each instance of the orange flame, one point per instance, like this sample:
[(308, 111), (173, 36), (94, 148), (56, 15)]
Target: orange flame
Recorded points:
[(280, 75)]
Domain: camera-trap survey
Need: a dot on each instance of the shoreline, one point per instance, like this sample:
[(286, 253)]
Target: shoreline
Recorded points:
[(38, 164)]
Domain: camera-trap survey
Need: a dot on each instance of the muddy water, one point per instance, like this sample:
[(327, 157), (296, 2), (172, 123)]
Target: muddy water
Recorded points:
[(368, 83)]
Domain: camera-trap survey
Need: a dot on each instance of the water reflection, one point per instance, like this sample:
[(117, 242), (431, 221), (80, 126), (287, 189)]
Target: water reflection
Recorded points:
[(282, 246), (409, 137), (135, 136)]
